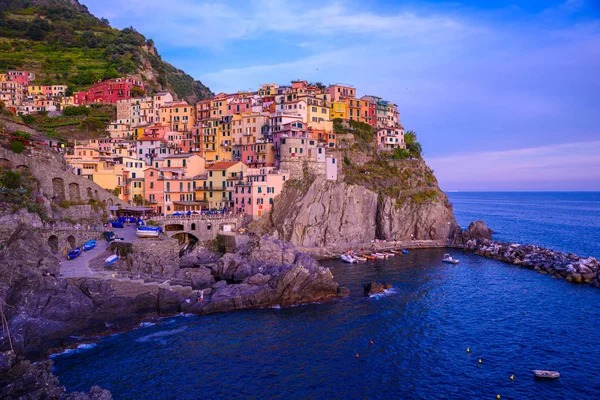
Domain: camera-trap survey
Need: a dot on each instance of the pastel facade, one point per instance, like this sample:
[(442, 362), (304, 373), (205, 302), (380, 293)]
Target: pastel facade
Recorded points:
[(109, 91), (255, 191)]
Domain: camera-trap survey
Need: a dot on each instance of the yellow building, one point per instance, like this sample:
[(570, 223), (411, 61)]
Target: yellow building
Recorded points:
[(338, 110), (209, 139), (178, 116), (214, 190)]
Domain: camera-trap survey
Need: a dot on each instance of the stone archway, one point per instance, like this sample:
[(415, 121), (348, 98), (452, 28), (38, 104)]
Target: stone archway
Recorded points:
[(74, 194), (58, 187), (5, 163), (22, 168), (110, 202), (185, 237), (72, 242), (53, 243), (173, 228), (90, 194), (96, 195)]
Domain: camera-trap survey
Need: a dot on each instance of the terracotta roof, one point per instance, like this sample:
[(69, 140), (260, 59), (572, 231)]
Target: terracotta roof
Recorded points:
[(222, 165)]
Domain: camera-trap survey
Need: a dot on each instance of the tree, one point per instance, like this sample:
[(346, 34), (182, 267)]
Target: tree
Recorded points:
[(410, 138), (17, 146), (2, 105), (137, 92), (105, 21), (138, 200)]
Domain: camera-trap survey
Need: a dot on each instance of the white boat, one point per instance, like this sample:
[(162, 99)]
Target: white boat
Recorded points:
[(389, 253), (111, 260), (448, 259), (348, 258), (544, 374), (360, 258), (147, 231), (380, 255)]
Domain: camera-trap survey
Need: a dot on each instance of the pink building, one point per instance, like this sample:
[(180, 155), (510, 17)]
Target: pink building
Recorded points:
[(255, 191), (109, 91), (390, 138)]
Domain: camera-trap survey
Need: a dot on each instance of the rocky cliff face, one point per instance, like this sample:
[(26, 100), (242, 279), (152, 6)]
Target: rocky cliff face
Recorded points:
[(374, 200)]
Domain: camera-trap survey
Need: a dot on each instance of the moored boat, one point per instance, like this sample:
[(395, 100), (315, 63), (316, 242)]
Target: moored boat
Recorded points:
[(404, 251), (116, 224), (544, 374), (111, 260), (389, 253), (73, 253), (148, 231), (448, 259), (90, 244), (369, 257), (360, 258), (380, 255), (348, 258)]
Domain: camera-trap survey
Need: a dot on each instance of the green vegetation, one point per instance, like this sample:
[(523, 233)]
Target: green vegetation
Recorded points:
[(71, 111), (17, 146), (400, 154), (424, 196), (64, 43), (414, 147), (76, 122), (18, 190)]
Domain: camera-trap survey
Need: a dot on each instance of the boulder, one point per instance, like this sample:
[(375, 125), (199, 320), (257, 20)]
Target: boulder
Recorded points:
[(375, 287), (168, 300), (199, 278)]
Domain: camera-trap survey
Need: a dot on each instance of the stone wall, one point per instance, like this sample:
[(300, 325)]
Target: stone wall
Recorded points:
[(59, 239), (202, 228), (297, 166), (56, 182)]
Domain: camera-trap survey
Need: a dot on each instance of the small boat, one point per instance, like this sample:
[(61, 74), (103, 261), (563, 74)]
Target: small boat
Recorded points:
[(389, 253), (111, 260), (148, 231), (448, 259), (395, 251), (380, 255), (404, 251), (348, 258), (543, 374), (116, 224), (369, 257), (73, 253), (90, 244), (360, 258)]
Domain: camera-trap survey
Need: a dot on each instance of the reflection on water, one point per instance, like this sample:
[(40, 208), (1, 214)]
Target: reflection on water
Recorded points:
[(514, 319)]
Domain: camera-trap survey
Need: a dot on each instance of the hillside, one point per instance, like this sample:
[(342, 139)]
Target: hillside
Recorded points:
[(62, 42), (378, 195)]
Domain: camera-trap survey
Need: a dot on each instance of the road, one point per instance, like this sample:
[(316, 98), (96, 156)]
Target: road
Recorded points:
[(79, 267)]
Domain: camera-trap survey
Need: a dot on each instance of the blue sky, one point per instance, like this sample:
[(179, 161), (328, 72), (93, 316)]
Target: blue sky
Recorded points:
[(503, 95)]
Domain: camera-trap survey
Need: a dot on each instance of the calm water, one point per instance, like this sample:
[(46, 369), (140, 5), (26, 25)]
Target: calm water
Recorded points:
[(568, 222), (514, 319)]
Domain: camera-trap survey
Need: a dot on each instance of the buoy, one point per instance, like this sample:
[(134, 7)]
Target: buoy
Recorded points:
[(468, 350), (356, 355), (480, 361), (371, 342), (512, 377)]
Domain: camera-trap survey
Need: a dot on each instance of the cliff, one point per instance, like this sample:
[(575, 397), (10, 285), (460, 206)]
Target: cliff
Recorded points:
[(63, 43), (375, 197)]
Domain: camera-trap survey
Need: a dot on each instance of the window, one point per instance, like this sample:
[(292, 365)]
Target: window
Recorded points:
[(151, 173)]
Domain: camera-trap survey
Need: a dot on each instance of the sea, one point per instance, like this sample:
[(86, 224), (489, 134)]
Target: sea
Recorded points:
[(474, 330)]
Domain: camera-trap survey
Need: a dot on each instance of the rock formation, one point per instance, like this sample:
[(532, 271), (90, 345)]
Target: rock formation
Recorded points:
[(22, 379), (375, 288), (476, 230), (573, 268), (320, 213), (267, 273)]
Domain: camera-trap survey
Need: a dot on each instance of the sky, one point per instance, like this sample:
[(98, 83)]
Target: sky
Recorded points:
[(503, 95)]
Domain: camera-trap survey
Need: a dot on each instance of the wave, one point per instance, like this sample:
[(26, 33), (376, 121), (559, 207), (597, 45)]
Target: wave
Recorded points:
[(146, 324), (159, 335), (386, 292), (79, 348)]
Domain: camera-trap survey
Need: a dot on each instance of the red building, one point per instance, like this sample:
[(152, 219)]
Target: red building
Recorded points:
[(109, 91)]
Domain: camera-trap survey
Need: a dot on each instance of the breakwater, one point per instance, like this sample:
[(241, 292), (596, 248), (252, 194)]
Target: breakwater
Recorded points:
[(560, 265)]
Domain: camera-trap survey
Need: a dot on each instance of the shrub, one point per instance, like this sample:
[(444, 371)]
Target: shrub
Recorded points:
[(17, 146), (347, 160), (11, 179), (71, 111)]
